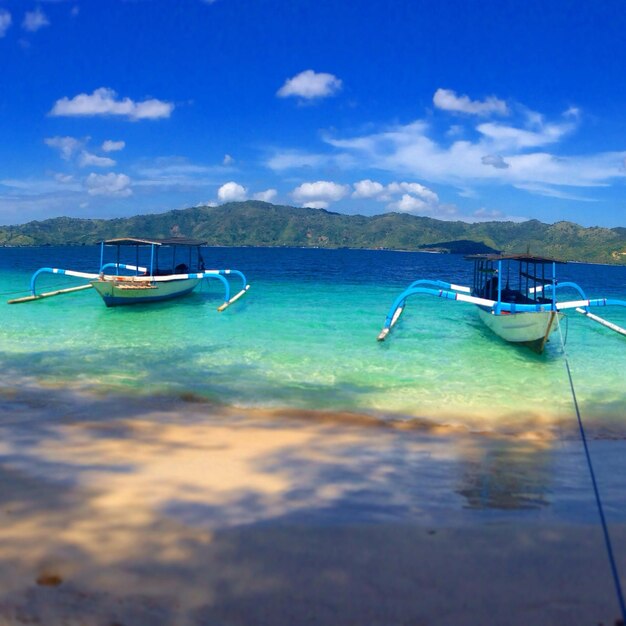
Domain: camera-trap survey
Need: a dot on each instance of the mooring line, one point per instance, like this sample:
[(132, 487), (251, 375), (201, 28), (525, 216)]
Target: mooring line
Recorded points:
[(596, 491)]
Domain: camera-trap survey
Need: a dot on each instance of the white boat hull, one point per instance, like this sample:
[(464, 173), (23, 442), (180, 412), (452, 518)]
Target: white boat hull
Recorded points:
[(119, 292), (531, 328)]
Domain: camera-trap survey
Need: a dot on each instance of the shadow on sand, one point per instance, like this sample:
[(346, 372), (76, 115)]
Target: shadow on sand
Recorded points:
[(130, 511)]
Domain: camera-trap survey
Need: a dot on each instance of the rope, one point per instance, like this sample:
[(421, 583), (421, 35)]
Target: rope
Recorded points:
[(605, 528)]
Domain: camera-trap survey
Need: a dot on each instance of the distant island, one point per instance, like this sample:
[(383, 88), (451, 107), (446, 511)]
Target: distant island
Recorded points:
[(254, 223)]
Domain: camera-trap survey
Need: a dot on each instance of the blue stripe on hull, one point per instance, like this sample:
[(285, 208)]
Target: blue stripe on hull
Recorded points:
[(117, 301)]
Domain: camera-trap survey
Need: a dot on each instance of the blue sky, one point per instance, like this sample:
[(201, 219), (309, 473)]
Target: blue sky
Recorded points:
[(468, 110)]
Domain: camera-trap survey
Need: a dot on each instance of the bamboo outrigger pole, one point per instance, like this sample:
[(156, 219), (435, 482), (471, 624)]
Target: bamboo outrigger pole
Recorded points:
[(49, 294), (600, 320), (233, 299)]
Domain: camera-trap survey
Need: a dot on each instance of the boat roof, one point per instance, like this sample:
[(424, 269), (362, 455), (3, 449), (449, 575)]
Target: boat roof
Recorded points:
[(530, 258), (169, 241)]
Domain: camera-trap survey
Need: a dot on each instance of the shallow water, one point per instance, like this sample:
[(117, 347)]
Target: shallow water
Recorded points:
[(305, 337)]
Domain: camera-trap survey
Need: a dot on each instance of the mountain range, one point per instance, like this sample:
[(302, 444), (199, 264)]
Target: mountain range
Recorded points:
[(254, 223)]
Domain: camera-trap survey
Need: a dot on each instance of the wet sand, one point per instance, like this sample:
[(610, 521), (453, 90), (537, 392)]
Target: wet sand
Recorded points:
[(135, 512)]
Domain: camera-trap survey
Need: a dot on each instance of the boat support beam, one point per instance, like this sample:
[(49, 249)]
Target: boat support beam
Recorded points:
[(221, 275), (58, 292), (584, 310), (448, 290)]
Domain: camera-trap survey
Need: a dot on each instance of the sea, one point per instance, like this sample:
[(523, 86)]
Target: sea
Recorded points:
[(304, 338)]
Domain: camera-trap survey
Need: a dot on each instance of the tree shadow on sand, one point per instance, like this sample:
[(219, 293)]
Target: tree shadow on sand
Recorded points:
[(190, 513)]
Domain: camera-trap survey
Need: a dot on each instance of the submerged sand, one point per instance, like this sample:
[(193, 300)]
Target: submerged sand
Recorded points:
[(122, 511)]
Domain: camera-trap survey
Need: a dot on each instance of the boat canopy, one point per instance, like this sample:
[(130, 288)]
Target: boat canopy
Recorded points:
[(170, 241), (514, 278)]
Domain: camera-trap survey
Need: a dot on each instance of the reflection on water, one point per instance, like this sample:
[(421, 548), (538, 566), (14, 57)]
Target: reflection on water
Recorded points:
[(505, 474)]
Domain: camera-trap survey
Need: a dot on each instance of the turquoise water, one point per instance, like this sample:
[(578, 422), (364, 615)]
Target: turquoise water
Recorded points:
[(305, 337)]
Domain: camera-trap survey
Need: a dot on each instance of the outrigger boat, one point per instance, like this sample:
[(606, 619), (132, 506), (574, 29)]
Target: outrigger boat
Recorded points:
[(171, 268), (516, 298)]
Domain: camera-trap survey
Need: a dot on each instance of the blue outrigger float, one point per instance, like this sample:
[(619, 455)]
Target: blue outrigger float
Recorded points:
[(171, 268), (515, 296)]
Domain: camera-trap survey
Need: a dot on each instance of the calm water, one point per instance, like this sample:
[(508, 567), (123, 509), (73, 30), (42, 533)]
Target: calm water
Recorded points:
[(305, 337)]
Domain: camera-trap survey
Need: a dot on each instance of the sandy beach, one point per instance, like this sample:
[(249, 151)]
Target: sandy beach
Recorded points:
[(118, 511)]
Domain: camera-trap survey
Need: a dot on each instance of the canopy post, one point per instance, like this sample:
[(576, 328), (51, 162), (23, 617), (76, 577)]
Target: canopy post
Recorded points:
[(497, 308), (553, 286)]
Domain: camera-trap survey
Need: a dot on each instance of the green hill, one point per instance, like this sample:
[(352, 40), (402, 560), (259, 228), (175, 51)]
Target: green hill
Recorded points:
[(261, 224)]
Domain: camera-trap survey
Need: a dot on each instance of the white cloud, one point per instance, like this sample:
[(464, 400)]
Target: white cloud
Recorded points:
[(495, 160), (113, 146), (447, 100), (315, 204), (87, 159), (467, 192), (367, 189), (232, 192), (417, 198), (177, 173), (572, 112), (290, 159), (228, 160), (265, 196), (34, 20), (5, 22), (409, 150), (64, 179), (413, 191), (310, 85), (33, 187), (173, 167), (104, 101), (420, 206), (426, 194), (455, 131), (487, 214), (488, 153), (409, 204), (322, 191), (67, 146), (552, 192), (114, 185), (511, 138), (20, 209)]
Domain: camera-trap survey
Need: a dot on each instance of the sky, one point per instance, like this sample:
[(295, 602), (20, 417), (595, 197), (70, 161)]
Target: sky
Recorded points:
[(459, 110)]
